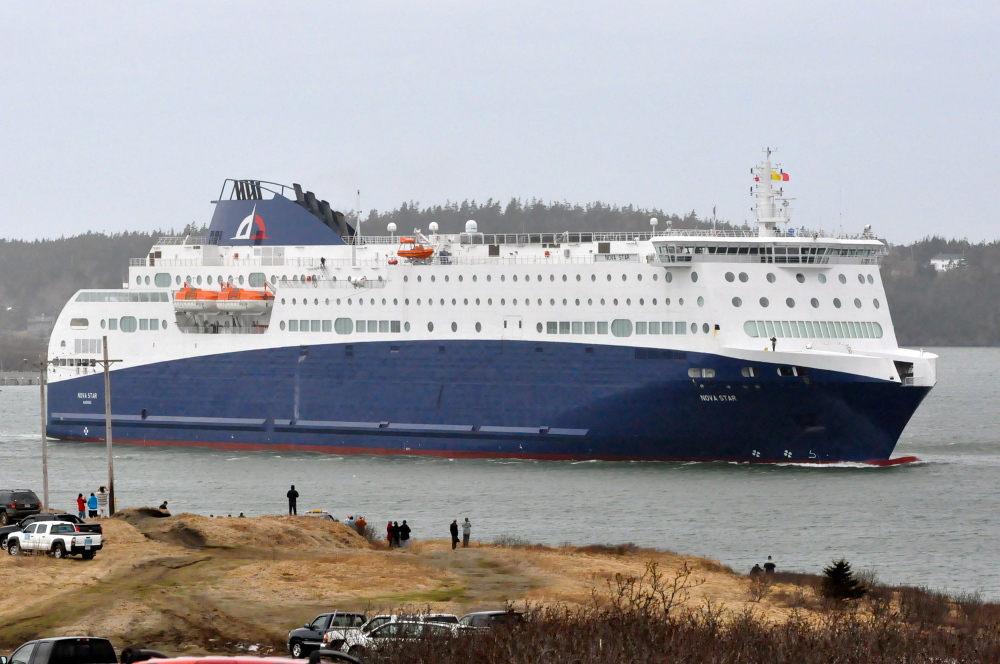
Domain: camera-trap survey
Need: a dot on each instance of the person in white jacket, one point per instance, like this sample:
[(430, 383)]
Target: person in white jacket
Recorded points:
[(102, 502), (466, 532)]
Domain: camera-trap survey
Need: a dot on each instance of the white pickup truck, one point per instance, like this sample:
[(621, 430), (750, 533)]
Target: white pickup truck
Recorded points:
[(60, 538)]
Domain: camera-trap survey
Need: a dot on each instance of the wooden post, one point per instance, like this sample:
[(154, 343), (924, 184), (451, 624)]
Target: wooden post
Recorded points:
[(107, 428), (43, 369)]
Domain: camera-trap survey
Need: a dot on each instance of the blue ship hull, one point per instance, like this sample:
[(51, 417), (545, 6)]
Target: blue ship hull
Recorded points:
[(516, 399)]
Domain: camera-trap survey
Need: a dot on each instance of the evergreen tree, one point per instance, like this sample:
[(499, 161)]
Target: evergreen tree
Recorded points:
[(839, 582)]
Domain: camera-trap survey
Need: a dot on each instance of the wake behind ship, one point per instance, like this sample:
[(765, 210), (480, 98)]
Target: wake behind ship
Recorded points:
[(286, 329)]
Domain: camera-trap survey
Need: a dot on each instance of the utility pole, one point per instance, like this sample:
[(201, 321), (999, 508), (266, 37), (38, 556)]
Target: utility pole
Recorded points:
[(43, 365), (106, 364)]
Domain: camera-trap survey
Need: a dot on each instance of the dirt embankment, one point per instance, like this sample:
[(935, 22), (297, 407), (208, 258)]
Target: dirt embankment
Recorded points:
[(193, 584)]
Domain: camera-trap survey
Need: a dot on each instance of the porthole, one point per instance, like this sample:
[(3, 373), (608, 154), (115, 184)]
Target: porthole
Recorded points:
[(628, 302), (479, 327), (538, 328), (564, 302), (694, 328), (430, 327), (701, 301), (842, 278), (475, 278), (821, 277), (577, 277), (514, 277), (861, 278), (609, 277), (578, 302), (790, 303), (552, 277), (453, 302), (419, 278), (138, 281), (460, 278), (208, 280), (593, 277), (295, 301), (465, 301), (602, 301), (680, 302), (564, 277), (770, 277), (539, 277), (515, 301), (705, 328), (655, 276), (641, 302), (527, 277), (406, 326), (654, 301), (241, 280), (667, 301), (281, 325), (198, 280), (146, 280), (737, 302), (446, 278), (857, 303), (489, 301), (433, 278), (503, 301), (870, 280), (730, 277), (616, 301), (744, 277), (282, 300), (454, 327), (489, 277), (624, 278), (836, 302), (877, 304), (178, 280), (815, 303), (103, 323), (590, 301), (552, 302), (503, 277), (638, 277), (477, 301), (694, 276), (164, 324), (801, 278), (764, 302), (405, 279), (539, 301), (669, 276)]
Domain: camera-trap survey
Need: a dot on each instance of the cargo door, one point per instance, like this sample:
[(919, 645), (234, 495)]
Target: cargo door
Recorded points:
[(512, 327)]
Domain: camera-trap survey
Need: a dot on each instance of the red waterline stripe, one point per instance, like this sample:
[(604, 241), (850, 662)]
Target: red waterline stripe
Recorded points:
[(454, 454)]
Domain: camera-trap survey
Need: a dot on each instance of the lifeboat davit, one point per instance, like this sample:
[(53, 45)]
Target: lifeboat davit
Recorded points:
[(196, 300), (410, 249), (239, 300)]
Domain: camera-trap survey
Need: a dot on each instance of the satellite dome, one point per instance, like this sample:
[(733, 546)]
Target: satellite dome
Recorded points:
[(471, 226), (433, 227), (654, 221), (391, 227)]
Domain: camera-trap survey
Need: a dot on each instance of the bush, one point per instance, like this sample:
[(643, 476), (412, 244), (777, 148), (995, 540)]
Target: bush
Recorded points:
[(839, 583)]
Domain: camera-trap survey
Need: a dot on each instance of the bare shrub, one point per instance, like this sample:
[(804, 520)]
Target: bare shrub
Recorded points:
[(653, 593), (971, 606), (510, 541), (757, 587), (626, 549), (922, 605), (374, 536)]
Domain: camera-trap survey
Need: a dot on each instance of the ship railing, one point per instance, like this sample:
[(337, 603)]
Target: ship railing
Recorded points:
[(167, 241), (682, 260), (352, 284), (624, 236), (211, 329)]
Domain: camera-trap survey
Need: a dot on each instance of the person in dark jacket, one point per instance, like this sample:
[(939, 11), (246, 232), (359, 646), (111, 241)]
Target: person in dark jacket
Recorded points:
[(404, 535), (454, 533), (293, 495), (396, 534)]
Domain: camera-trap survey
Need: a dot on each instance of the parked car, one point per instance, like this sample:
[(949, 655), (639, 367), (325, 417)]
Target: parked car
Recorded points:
[(359, 643), (335, 638), (490, 618), (60, 538), (81, 525), (309, 637), (65, 650), (16, 504), (320, 514)]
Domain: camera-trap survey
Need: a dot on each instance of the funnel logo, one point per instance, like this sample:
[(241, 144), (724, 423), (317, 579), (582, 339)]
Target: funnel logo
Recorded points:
[(247, 225)]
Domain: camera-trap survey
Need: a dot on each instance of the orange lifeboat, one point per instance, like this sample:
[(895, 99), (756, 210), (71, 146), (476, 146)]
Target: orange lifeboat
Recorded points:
[(410, 249), (195, 299), (243, 300)]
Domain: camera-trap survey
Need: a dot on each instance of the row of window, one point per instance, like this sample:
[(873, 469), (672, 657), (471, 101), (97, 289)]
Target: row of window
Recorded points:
[(790, 302), (813, 329), (123, 296), (489, 301), (799, 277), (127, 324), (620, 327), (346, 326)]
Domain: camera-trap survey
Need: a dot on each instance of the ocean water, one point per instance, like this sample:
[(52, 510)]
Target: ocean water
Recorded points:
[(932, 523)]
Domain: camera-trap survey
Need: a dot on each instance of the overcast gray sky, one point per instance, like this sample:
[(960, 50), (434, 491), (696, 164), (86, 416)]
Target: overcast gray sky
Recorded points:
[(123, 116)]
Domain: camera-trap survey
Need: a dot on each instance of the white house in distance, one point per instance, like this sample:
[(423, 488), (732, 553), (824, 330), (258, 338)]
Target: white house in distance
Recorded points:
[(945, 262)]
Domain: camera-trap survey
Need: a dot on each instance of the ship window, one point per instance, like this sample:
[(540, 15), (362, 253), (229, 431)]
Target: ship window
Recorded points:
[(198, 280), (750, 327), (786, 371), (143, 324), (430, 327), (79, 323), (801, 278), (705, 328), (177, 279), (383, 326), (128, 323), (589, 328), (112, 323), (737, 302), (744, 277), (842, 278), (857, 303), (870, 280), (138, 281), (764, 302), (282, 325), (730, 277), (303, 326), (749, 372), (103, 323), (680, 328), (274, 279), (144, 297), (256, 280), (878, 330), (694, 276), (577, 327), (360, 326), (640, 327), (790, 303), (162, 279), (615, 301), (770, 277), (668, 277), (861, 278), (701, 301), (815, 303), (343, 326), (373, 326), (876, 303), (454, 327), (315, 326), (563, 327), (602, 327), (654, 327), (836, 302), (208, 280), (621, 327)]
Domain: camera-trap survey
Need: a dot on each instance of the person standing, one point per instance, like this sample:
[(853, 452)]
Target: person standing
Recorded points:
[(454, 533), (404, 535), (92, 506), (774, 344), (293, 495), (360, 525), (466, 533), (388, 533), (396, 535), (81, 506), (769, 566), (102, 502)]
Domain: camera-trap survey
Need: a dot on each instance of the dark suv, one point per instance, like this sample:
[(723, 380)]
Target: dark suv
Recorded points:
[(16, 504), (309, 637)]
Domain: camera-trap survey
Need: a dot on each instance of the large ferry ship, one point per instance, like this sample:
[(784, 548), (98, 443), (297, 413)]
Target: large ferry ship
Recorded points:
[(285, 328)]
